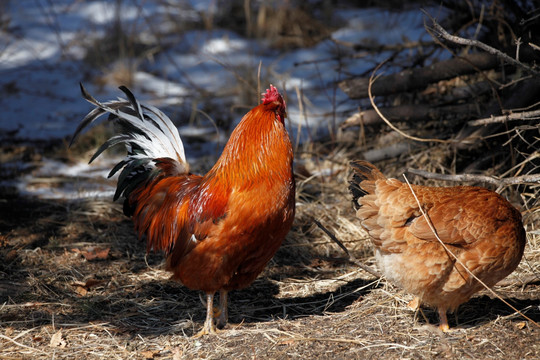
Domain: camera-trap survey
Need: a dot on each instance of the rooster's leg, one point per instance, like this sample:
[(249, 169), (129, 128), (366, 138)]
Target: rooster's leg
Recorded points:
[(443, 325), (208, 327), (223, 311)]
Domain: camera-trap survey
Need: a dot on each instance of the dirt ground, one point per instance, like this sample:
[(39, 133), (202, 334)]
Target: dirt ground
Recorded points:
[(76, 283)]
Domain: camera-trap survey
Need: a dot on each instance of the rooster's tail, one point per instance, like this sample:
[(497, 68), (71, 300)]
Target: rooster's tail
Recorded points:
[(150, 137), (363, 179)]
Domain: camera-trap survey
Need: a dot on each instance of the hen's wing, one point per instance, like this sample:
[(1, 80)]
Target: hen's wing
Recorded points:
[(460, 215), (477, 225)]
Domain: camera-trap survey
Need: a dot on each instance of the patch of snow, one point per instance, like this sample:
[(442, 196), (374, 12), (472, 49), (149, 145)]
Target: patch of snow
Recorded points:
[(42, 61)]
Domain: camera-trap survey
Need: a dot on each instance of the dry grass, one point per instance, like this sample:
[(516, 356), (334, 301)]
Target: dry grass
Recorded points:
[(58, 302), (309, 302)]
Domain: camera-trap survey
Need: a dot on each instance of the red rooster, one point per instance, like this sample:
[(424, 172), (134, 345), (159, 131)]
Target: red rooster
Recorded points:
[(218, 230)]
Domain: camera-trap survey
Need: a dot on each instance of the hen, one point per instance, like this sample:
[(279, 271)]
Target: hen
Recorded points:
[(482, 229), (219, 230)]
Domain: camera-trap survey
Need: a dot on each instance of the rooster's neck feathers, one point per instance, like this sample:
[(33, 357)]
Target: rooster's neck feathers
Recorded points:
[(258, 147)]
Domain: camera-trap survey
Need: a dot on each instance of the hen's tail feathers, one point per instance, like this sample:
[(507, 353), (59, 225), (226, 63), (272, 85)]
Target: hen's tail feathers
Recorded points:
[(363, 179), (148, 134)]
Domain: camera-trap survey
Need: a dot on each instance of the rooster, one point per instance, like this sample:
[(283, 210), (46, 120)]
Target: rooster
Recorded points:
[(219, 230), (482, 229)]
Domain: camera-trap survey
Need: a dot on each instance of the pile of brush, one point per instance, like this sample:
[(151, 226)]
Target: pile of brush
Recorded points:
[(482, 103)]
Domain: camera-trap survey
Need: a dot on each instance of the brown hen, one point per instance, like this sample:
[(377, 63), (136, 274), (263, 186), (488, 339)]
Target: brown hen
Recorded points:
[(482, 229)]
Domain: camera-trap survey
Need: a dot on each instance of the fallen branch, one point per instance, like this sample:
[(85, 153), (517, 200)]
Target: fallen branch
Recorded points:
[(375, 47), (411, 113), (441, 32), (526, 115), (413, 79), (523, 179), (388, 152)]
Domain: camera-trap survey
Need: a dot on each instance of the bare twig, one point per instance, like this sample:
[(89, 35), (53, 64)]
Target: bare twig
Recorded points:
[(332, 236), (523, 179), (441, 32), (418, 78), (527, 115)]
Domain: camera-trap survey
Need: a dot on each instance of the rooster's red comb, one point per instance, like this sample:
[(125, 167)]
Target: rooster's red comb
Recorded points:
[(271, 95)]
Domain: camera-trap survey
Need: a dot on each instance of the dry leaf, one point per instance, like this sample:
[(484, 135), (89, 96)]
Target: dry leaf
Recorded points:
[(81, 291), (38, 338), (287, 342), (94, 253), (3, 240), (57, 340), (149, 354), (11, 255), (521, 325), (82, 288), (90, 283), (9, 331)]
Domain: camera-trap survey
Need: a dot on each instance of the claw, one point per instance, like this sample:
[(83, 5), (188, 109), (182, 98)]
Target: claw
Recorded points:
[(443, 325), (213, 312)]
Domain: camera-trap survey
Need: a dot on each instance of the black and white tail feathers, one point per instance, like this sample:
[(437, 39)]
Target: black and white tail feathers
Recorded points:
[(363, 179), (148, 134)]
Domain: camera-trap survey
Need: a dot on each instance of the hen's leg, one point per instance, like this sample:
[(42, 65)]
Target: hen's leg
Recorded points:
[(223, 310), (208, 327), (414, 304), (443, 325)]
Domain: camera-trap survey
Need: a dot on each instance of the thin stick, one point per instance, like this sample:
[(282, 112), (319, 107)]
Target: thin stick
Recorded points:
[(348, 341), (332, 236), (432, 228), (350, 257), (523, 179), (527, 115)]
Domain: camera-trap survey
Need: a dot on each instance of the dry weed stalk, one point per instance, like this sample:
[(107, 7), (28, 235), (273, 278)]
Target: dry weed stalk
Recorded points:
[(372, 79)]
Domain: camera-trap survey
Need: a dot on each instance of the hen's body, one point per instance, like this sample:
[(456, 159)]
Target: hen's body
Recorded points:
[(218, 230), (482, 229)]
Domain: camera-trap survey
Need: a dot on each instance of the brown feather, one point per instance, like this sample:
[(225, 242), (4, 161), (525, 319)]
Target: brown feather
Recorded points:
[(218, 230), (221, 229), (479, 226)]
